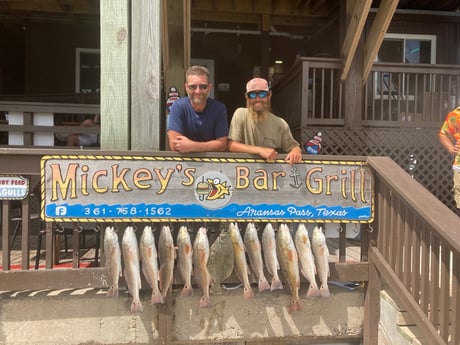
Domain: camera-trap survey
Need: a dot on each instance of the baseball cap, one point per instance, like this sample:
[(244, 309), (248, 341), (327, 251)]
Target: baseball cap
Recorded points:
[(257, 84)]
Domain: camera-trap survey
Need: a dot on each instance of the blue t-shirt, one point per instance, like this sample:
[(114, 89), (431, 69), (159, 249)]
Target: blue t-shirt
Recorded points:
[(207, 125)]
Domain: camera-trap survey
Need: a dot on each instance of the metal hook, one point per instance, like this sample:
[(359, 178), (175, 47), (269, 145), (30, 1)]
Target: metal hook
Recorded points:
[(370, 229), (340, 228)]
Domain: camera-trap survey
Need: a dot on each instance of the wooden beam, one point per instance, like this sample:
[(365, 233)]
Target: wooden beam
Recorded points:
[(115, 71), (353, 35), (377, 32), (145, 75)]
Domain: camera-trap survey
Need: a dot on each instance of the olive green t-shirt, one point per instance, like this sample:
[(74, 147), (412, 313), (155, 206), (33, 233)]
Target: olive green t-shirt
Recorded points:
[(273, 132)]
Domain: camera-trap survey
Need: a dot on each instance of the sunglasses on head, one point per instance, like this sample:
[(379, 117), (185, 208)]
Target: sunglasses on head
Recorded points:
[(254, 94), (201, 86)]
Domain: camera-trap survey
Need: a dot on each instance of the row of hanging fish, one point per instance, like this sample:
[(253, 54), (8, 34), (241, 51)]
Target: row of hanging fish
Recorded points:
[(211, 265)]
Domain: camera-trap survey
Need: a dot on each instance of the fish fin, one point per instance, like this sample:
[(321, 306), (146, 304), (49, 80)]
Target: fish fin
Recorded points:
[(276, 284), (294, 306), (112, 292), (204, 302), (186, 291), (157, 298), (263, 284), (247, 293), (324, 290), (136, 307), (313, 291)]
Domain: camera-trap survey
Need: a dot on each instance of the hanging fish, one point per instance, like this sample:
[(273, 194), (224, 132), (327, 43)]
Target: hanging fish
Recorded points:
[(221, 261), (270, 256), (200, 260), (166, 256), (149, 260), (131, 267), (241, 266), (252, 243), (112, 254), (321, 254), (184, 260), (289, 263), (306, 259)]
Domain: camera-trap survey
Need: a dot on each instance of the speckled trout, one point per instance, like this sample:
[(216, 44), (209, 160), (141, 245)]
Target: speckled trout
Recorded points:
[(252, 243), (166, 256), (112, 253), (306, 259), (200, 260), (221, 260), (321, 254), (184, 260), (132, 272), (241, 266), (289, 263), (270, 256), (149, 260)]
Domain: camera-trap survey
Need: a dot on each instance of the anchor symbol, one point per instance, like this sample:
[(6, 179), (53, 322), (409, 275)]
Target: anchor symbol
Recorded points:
[(295, 178)]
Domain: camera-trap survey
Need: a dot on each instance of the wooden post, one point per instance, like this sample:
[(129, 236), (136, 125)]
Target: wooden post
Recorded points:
[(174, 53), (115, 75), (145, 75)]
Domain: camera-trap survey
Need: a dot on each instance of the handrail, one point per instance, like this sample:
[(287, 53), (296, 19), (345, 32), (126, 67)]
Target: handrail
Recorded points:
[(417, 252)]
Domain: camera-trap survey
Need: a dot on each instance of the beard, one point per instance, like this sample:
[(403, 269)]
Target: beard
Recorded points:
[(258, 111)]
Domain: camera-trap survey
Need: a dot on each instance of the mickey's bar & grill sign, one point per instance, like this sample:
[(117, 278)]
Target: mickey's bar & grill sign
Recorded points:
[(168, 189)]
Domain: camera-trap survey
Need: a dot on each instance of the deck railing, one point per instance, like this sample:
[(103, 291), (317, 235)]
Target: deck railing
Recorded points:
[(395, 95), (38, 123), (413, 249), (416, 256)]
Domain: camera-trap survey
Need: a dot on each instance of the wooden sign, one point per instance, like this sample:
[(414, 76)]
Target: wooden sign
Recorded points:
[(13, 187), (168, 189)]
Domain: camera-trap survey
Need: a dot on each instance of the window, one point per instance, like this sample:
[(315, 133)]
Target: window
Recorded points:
[(402, 48), (406, 48), (87, 70)]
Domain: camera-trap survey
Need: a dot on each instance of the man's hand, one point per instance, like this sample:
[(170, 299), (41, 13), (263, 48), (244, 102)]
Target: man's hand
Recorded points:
[(182, 144), (294, 156), (268, 153)]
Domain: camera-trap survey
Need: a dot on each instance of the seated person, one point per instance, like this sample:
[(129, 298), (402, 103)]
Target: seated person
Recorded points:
[(85, 139)]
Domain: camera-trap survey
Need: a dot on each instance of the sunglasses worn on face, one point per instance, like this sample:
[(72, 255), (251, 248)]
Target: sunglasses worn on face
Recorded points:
[(254, 94), (201, 86)]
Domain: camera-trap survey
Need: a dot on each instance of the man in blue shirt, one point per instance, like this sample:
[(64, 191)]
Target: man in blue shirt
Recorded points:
[(197, 123)]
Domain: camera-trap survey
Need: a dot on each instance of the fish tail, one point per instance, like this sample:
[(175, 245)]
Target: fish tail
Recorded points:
[(112, 292), (276, 284), (187, 290), (247, 293), (136, 307), (294, 306), (204, 302), (157, 298), (313, 291), (324, 291), (263, 284)]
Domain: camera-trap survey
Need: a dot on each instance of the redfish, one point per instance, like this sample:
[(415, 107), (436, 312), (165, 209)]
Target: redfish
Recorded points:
[(321, 254), (166, 256), (252, 243), (270, 256), (184, 259), (306, 259), (200, 260), (289, 263), (241, 266), (131, 267), (112, 254), (149, 260)]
